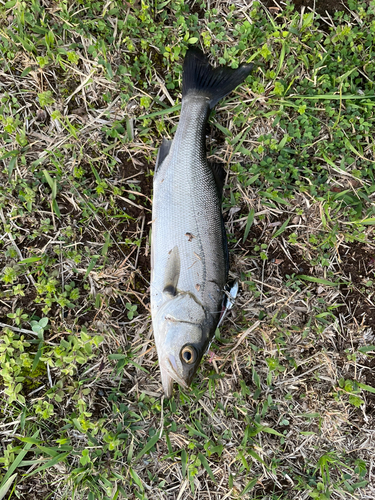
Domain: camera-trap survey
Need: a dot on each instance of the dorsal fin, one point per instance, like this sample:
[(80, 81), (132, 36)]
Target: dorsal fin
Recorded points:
[(219, 174), (172, 272), (163, 152)]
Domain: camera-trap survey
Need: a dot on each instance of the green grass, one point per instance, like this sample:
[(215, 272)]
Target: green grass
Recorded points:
[(283, 406)]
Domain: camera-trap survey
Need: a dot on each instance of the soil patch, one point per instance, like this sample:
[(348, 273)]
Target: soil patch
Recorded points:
[(358, 266), (287, 266), (34, 489), (321, 7), (135, 171)]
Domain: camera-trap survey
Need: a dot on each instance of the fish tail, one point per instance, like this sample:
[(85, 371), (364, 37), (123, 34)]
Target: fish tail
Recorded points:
[(200, 78)]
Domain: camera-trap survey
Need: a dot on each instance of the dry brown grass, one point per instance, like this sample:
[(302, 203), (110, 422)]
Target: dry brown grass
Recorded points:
[(271, 396)]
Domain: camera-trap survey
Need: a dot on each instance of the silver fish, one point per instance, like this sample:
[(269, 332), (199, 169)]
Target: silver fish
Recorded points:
[(189, 253)]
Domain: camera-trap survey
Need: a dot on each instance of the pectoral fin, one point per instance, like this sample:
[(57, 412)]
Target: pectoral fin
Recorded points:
[(172, 272)]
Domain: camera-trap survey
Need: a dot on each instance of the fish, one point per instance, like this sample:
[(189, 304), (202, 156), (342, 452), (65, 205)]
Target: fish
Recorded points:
[(189, 250)]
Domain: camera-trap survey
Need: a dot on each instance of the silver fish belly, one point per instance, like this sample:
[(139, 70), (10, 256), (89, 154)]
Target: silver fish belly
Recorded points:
[(189, 262)]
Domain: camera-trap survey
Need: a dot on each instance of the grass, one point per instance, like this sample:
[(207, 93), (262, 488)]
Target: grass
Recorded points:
[(283, 406)]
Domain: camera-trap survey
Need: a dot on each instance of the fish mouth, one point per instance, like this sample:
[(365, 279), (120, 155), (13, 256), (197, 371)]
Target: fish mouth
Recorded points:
[(169, 375)]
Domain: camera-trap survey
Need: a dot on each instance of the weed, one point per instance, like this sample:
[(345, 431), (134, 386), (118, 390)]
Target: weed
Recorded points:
[(282, 406)]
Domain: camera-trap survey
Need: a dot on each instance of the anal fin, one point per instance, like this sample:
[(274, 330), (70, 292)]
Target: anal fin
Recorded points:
[(219, 175), (163, 152)]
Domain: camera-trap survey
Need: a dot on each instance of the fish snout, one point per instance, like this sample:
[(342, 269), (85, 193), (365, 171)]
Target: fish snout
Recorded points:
[(171, 372)]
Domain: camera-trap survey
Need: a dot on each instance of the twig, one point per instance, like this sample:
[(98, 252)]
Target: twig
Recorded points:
[(245, 333), (19, 330), (49, 376), (140, 239)]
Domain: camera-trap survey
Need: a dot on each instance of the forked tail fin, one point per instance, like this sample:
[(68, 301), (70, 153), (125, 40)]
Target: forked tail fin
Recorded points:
[(200, 78)]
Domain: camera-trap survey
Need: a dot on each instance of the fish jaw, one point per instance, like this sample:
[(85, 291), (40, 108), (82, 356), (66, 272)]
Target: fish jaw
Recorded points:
[(169, 375), (167, 381), (172, 368), (180, 322)]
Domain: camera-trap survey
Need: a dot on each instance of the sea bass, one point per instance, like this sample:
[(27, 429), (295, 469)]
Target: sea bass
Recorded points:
[(189, 253)]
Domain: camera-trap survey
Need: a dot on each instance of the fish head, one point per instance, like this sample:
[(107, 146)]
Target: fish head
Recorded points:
[(182, 334), (182, 354)]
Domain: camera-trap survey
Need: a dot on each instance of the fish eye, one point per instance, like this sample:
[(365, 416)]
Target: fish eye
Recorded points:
[(188, 354)]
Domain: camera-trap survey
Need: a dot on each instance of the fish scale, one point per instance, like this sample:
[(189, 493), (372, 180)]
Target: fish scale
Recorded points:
[(189, 259), (186, 201)]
